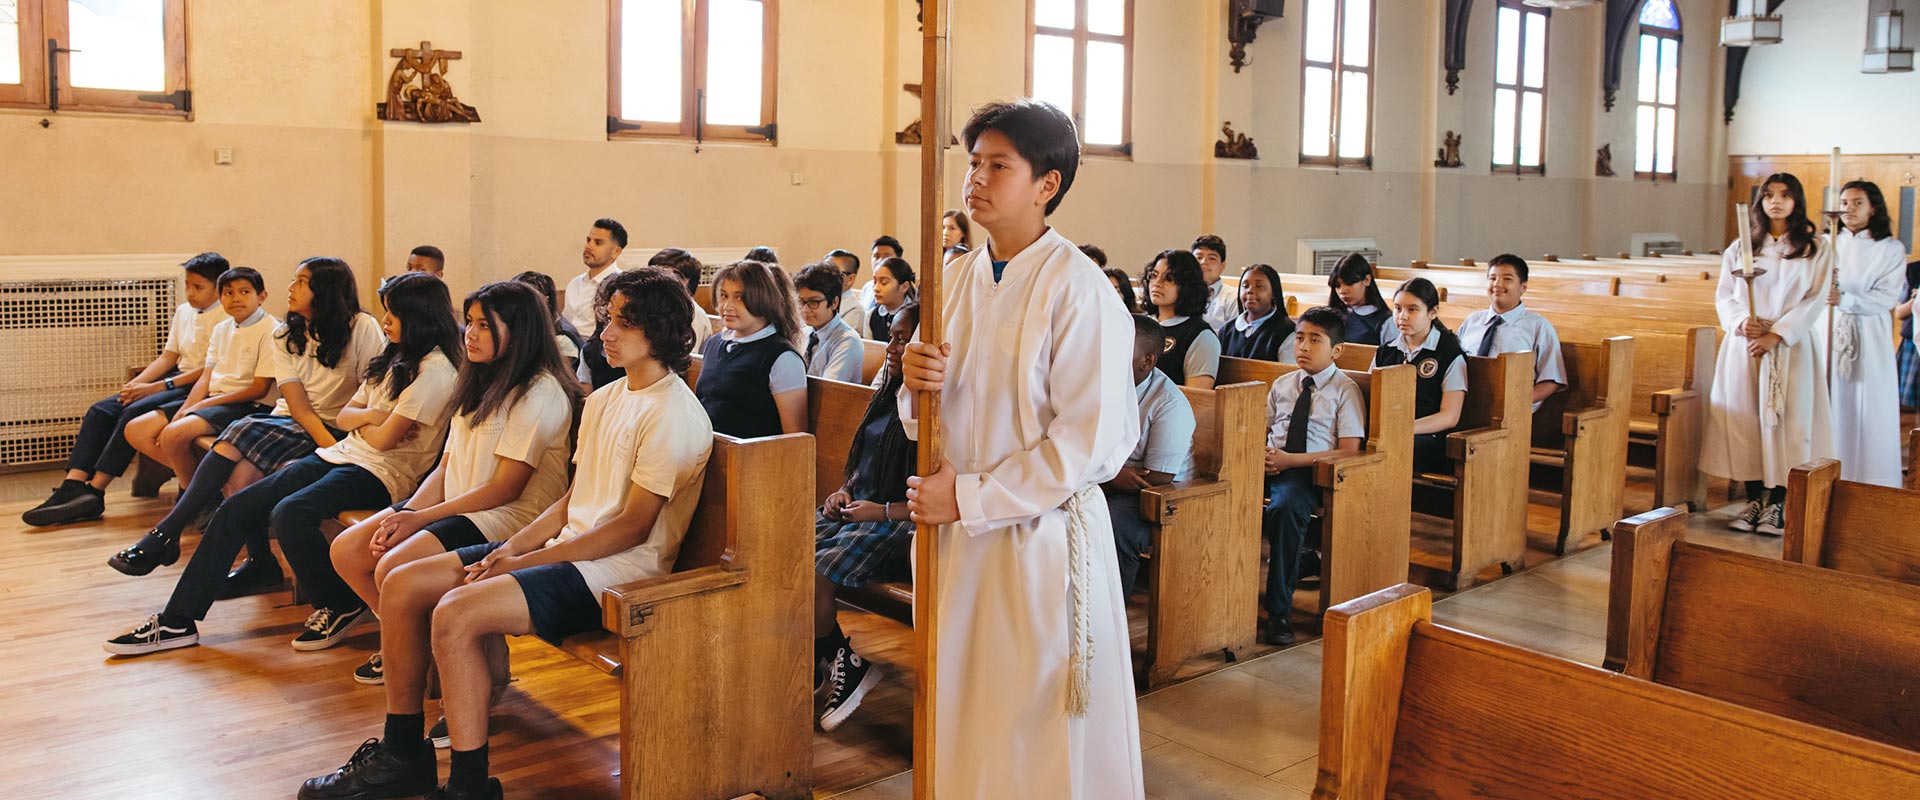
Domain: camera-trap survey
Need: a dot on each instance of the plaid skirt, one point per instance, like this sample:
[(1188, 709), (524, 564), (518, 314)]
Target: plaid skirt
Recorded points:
[(859, 553), (1909, 367), (271, 442)]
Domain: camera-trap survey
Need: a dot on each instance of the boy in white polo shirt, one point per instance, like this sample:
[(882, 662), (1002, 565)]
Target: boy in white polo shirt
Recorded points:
[(228, 389), (1164, 454)]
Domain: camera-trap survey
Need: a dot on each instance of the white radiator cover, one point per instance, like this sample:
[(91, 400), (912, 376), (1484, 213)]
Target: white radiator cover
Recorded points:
[(70, 327)]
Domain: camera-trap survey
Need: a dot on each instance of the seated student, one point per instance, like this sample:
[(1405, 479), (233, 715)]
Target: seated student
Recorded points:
[(1313, 412), (505, 461), (862, 534), (850, 309), (644, 444), (101, 451), (397, 419), (1508, 327), (594, 371), (1164, 454), (684, 264), (752, 379), (1222, 305), (1440, 383), (892, 290), (884, 248), (1262, 324), (833, 350), (565, 336), (319, 353), (230, 388), (1177, 297), (1094, 252), (1123, 283), (428, 259), (762, 254), (955, 230), (601, 255), (1356, 295)]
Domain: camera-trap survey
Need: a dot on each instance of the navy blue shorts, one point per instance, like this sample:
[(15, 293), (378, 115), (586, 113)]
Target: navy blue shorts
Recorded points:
[(456, 532), (558, 601)]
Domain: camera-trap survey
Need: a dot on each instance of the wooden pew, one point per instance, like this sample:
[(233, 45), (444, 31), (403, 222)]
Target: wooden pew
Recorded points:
[(1413, 709), (1366, 499), (1912, 480), (1581, 433), (1850, 527), (1834, 649)]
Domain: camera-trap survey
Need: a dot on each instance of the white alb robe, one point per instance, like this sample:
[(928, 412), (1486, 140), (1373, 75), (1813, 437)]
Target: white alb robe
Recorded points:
[(1865, 395), (1038, 405), (1742, 443)]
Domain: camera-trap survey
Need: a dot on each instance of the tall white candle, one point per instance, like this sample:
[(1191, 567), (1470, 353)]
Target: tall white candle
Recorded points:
[(1833, 181)]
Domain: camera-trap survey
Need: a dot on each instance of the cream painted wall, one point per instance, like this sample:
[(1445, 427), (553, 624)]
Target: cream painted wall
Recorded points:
[(1817, 65)]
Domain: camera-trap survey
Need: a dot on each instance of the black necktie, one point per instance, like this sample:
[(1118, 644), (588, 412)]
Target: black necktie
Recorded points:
[(813, 343), (1297, 423), (1486, 339)]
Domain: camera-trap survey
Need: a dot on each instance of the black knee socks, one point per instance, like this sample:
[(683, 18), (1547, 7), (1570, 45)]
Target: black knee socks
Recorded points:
[(406, 734), (824, 646), (202, 492), (1759, 491)]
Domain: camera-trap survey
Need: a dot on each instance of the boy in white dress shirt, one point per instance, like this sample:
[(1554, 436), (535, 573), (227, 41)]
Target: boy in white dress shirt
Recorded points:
[(1164, 454), (1508, 327)]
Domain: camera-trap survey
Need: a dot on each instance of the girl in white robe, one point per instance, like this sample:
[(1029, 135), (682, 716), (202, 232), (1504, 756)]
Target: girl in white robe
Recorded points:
[(1871, 265), (1768, 410)]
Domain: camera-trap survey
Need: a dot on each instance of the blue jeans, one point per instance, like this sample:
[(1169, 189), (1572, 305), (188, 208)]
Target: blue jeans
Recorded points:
[(1291, 497), (1131, 535)]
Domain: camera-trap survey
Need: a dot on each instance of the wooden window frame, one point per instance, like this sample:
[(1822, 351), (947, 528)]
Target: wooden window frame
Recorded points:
[(1519, 86), (693, 81), (1081, 36), (1333, 158), (1672, 176), (43, 20)]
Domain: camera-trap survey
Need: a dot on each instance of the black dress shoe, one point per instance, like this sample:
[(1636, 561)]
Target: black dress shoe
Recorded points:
[(376, 771), (1278, 632), (251, 577), (153, 551), (448, 792)]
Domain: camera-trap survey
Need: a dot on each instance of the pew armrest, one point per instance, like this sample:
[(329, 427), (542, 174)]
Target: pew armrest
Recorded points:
[(1331, 471), (1158, 503), (1462, 444), (627, 609), (1575, 423), (1666, 400)]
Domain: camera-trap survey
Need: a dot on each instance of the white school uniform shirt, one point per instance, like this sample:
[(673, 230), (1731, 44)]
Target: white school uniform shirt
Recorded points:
[(425, 401), (839, 355), (190, 332), (1339, 409), (1456, 378), (1166, 428), (328, 390), (580, 292), (1520, 331), (1203, 353), (855, 305), (1865, 405), (236, 352), (657, 438), (1766, 416), (1223, 304), (1039, 405), (531, 429)]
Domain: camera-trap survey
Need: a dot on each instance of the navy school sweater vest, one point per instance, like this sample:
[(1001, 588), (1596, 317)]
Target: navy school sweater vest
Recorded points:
[(1365, 328), (733, 385), (1261, 342), (1179, 338), (1430, 370)]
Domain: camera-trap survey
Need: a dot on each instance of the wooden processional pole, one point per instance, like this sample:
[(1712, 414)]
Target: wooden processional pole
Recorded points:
[(936, 122)]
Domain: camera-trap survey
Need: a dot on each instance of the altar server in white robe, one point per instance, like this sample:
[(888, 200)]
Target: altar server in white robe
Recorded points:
[(1035, 696), (1768, 411), (1871, 265)]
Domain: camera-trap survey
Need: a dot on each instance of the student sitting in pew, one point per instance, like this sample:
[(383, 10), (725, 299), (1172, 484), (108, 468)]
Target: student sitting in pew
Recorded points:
[(1312, 412), (505, 459), (833, 350), (1440, 387), (752, 379), (1177, 298), (892, 289), (565, 336), (1164, 454), (1262, 324), (884, 248), (688, 267), (762, 254), (644, 444), (1355, 293), (1222, 305), (851, 312), (594, 371), (398, 418), (862, 533), (1098, 255), (429, 259), (319, 353), (1123, 283), (955, 230), (230, 387), (1508, 327), (101, 451)]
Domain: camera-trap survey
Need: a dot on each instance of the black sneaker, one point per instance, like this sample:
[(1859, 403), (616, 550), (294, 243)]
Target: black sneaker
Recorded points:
[(252, 577), (438, 734), (326, 627), (848, 680), (372, 673), (73, 502), (1772, 521), (449, 793), (153, 551), (1749, 519), (375, 771), (153, 637)]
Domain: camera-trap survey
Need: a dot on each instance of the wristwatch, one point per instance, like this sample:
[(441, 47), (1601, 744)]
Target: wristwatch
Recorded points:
[(169, 383)]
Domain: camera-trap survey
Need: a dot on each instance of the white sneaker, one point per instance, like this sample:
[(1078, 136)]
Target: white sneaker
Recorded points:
[(1748, 519), (1772, 521)]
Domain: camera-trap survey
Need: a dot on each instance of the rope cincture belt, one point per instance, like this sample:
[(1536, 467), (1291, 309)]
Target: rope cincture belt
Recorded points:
[(1079, 510)]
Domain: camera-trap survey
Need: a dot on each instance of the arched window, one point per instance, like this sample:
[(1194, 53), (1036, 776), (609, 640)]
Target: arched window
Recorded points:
[(1520, 88), (1080, 58), (1658, 108), (1336, 83)]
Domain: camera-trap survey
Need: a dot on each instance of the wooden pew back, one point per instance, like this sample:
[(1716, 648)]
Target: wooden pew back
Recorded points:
[(1834, 649), (1413, 709), (1851, 527)]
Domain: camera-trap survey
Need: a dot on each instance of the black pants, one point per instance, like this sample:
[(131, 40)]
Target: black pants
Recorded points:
[(102, 445), (1430, 453), (1131, 535), (291, 503), (1291, 497)]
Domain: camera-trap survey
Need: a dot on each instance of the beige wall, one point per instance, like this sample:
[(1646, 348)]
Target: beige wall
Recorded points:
[(1818, 62), (290, 86)]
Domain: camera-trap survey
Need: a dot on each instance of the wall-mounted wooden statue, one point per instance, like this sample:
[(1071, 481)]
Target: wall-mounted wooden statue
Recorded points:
[(418, 91), (1603, 161), (1234, 145), (1449, 152)]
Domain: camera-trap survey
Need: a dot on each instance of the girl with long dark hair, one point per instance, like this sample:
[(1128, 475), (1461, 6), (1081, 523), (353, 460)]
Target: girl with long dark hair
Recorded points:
[(1355, 293), (1177, 299), (1440, 370), (1262, 325)]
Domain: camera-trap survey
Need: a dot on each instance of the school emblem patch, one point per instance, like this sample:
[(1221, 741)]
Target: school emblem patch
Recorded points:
[(1429, 367), (1169, 347)]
